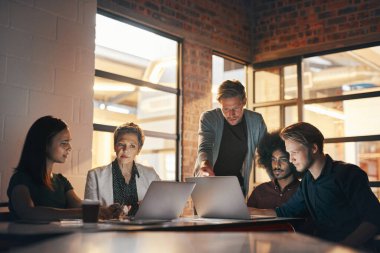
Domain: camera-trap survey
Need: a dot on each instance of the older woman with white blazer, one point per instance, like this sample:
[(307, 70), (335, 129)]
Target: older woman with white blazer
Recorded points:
[(123, 181)]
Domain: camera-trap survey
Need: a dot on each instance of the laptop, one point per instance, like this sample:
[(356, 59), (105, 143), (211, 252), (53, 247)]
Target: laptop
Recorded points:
[(163, 201), (220, 197)]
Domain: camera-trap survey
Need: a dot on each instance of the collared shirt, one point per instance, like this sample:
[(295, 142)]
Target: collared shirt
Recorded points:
[(269, 195), (338, 200), (125, 193)]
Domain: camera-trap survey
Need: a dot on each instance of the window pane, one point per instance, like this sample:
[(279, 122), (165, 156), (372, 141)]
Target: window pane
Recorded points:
[(271, 115), (102, 148), (342, 73), (261, 175), (116, 103), (267, 85), (364, 154), (291, 115), (130, 51), (156, 152), (340, 119), (222, 70), (160, 154), (290, 82)]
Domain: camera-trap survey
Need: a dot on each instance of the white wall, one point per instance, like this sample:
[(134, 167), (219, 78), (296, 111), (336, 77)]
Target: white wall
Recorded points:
[(46, 68)]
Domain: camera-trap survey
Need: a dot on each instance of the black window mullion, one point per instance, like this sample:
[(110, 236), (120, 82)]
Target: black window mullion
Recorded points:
[(137, 82)]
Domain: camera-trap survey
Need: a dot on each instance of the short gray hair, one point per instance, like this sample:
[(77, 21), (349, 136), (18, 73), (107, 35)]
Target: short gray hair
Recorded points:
[(129, 128)]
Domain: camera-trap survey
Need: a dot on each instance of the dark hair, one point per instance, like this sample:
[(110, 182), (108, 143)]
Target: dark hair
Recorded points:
[(268, 144), (129, 128), (33, 155), (229, 89), (305, 134)]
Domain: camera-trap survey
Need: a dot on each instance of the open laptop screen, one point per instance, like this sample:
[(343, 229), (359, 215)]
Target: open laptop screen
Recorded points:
[(164, 200), (219, 197)]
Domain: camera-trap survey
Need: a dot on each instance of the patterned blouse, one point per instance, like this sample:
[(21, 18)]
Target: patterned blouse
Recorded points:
[(125, 193)]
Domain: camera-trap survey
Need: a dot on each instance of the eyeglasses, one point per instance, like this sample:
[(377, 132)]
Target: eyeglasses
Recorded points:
[(281, 160)]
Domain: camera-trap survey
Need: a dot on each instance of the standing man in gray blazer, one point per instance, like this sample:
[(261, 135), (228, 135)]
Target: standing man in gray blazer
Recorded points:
[(228, 136)]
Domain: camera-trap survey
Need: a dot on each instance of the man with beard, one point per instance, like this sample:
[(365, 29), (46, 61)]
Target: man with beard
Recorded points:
[(228, 136), (335, 194), (273, 157)]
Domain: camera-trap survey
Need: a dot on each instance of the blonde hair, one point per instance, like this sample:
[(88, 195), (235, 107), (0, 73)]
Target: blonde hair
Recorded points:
[(229, 89), (305, 134)]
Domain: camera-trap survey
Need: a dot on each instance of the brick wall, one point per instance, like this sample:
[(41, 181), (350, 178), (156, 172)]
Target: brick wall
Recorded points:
[(46, 68), (196, 98), (222, 25), (285, 28)]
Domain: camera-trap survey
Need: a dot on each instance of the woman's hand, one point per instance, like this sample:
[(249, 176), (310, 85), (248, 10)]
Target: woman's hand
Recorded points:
[(113, 211)]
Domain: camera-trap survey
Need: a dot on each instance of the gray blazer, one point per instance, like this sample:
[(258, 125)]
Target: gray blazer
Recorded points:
[(210, 136), (99, 183)]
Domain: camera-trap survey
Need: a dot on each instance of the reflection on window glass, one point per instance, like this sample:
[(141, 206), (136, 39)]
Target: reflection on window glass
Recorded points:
[(130, 51), (290, 82), (261, 175), (271, 115), (224, 69), (341, 118), (160, 154), (157, 153), (102, 148), (364, 154), (116, 103), (267, 85), (342, 73), (291, 115), (330, 76)]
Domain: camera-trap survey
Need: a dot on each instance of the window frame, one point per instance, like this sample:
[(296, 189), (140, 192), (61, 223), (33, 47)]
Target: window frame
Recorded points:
[(300, 102), (141, 83)]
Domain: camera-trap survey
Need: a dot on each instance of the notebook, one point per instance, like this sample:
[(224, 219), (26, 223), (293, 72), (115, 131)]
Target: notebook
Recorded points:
[(220, 197)]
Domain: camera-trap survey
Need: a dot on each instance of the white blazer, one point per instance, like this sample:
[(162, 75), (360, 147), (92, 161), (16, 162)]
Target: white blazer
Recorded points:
[(99, 183)]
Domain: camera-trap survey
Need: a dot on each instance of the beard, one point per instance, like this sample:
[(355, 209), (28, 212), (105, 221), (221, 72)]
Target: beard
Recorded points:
[(282, 176)]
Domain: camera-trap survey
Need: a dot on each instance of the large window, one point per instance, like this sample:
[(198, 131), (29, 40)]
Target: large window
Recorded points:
[(337, 92), (136, 79)]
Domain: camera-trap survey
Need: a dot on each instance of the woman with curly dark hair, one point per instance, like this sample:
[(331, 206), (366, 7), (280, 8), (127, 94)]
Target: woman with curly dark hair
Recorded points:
[(273, 157)]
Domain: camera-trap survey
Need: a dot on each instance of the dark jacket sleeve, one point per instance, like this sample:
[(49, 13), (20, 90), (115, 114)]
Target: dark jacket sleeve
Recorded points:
[(295, 207)]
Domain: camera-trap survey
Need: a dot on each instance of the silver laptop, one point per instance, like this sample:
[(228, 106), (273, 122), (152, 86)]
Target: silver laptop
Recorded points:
[(164, 200), (220, 197)]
